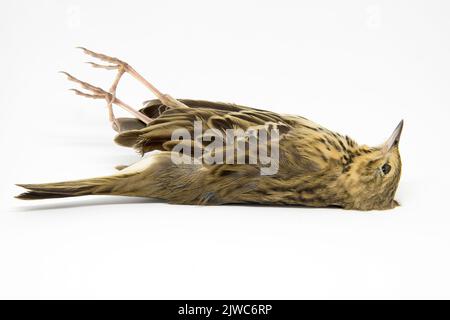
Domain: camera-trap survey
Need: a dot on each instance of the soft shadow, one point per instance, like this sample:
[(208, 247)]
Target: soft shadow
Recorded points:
[(298, 206), (85, 203), (114, 200)]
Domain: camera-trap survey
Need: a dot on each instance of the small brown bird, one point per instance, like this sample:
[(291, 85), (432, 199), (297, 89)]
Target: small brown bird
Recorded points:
[(310, 165)]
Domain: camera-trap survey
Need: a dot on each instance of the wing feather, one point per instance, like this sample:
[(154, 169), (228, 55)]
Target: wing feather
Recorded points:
[(213, 115)]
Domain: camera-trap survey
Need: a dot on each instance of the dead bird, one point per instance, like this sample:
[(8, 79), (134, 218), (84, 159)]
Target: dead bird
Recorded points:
[(315, 166)]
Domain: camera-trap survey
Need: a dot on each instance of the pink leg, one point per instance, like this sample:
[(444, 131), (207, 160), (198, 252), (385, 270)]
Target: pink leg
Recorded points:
[(116, 64), (98, 93)]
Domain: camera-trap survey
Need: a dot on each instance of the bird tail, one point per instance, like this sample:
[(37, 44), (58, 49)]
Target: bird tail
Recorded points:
[(94, 186)]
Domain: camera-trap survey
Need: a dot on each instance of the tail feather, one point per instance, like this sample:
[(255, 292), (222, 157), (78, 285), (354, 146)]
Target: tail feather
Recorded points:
[(37, 195), (104, 185)]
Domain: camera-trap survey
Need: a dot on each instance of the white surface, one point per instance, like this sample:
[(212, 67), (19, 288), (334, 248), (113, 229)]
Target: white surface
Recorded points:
[(357, 67)]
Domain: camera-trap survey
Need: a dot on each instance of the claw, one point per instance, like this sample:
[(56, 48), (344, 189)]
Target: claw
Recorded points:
[(85, 85), (87, 95), (102, 57), (101, 66)]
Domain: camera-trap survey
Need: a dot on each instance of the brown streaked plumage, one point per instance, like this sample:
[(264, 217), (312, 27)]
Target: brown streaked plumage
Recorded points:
[(317, 167)]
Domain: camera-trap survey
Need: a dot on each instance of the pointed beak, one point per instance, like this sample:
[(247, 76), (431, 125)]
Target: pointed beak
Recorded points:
[(394, 139)]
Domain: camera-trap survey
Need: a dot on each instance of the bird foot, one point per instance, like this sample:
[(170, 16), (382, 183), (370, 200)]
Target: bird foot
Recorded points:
[(123, 67), (94, 92)]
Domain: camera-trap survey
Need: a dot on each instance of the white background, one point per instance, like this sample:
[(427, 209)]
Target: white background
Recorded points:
[(356, 67)]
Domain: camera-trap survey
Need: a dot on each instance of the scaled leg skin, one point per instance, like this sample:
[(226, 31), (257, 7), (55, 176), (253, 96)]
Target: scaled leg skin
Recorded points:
[(122, 67)]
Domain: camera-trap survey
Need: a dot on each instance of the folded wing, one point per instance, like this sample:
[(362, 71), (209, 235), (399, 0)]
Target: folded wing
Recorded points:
[(213, 115)]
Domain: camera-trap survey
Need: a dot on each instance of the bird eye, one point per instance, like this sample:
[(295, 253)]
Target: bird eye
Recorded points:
[(386, 168)]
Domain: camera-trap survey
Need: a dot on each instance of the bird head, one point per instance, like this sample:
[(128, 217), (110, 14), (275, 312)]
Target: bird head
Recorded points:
[(373, 178)]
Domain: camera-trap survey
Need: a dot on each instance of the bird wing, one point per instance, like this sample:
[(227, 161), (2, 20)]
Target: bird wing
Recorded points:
[(213, 115)]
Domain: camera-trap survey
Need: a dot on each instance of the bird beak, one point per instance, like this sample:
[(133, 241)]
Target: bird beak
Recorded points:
[(394, 138)]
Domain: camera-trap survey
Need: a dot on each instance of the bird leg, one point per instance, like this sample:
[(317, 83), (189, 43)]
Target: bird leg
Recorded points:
[(110, 97), (122, 67)]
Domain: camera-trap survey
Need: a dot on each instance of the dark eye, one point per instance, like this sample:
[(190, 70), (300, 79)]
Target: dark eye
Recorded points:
[(386, 168)]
